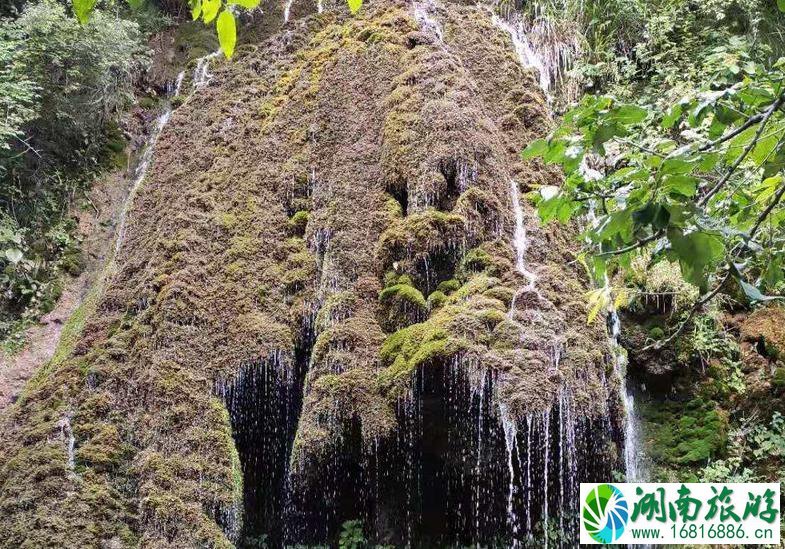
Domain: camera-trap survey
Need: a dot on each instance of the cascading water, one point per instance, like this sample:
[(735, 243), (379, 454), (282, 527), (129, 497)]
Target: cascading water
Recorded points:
[(201, 77), (521, 243), (528, 58), (634, 452), (423, 14), (287, 10), (523, 49)]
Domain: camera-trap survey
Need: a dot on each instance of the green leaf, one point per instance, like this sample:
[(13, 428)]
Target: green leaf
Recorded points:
[(210, 10), (697, 252), (555, 153), (14, 255), (781, 5), (227, 32), (685, 185), (676, 166), (672, 116), (754, 294), (136, 4), (628, 114), (536, 148), (196, 9), (247, 4), (739, 143), (354, 5), (767, 188), (766, 145), (83, 9)]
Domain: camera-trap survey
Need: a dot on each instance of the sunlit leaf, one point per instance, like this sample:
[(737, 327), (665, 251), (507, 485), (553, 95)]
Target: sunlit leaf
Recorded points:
[(196, 9), (83, 9), (535, 148), (227, 32), (354, 5), (210, 10), (247, 4)]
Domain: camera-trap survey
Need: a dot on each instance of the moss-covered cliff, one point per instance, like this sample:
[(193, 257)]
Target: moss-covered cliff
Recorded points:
[(326, 219)]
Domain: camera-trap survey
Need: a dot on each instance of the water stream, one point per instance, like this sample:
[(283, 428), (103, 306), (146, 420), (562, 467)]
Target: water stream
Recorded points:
[(201, 77), (423, 14), (521, 242), (524, 50), (633, 445)]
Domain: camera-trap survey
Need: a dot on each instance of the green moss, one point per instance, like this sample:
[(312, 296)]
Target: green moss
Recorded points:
[(405, 293), (411, 347), (686, 433), (656, 333), (448, 286), (475, 261), (226, 220), (778, 379), (436, 300), (298, 222), (147, 102)]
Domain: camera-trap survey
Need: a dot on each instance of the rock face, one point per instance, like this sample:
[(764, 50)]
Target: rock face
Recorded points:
[(325, 308)]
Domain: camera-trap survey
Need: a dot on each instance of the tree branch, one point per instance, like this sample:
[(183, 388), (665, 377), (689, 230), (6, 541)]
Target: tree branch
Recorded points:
[(766, 116), (639, 244)]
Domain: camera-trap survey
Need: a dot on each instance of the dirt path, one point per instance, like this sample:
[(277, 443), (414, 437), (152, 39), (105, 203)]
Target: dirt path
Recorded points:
[(97, 227)]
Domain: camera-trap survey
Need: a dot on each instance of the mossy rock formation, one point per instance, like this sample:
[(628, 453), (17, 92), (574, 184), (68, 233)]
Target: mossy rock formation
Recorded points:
[(326, 223)]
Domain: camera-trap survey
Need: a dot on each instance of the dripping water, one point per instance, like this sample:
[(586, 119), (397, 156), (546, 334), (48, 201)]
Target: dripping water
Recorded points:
[(634, 462), (200, 78), (287, 10), (528, 58), (524, 50), (423, 14), (521, 242)]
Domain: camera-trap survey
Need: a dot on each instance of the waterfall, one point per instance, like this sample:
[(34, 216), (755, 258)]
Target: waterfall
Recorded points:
[(633, 447), (521, 241), (527, 56), (201, 77), (634, 462), (287, 9), (428, 23)]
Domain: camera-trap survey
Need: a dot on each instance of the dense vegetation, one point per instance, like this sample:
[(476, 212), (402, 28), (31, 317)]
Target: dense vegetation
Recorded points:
[(63, 86), (674, 166)]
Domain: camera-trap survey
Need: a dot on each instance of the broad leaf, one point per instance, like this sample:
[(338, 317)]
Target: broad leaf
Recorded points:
[(354, 5), (781, 5), (676, 166), (685, 185), (628, 114), (697, 252), (227, 32), (210, 10), (535, 148), (83, 9), (196, 9), (14, 255)]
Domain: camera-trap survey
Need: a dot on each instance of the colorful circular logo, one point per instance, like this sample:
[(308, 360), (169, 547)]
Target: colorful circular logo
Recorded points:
[(605, 513)]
